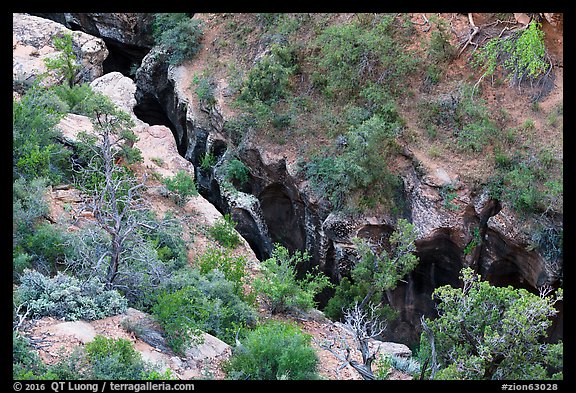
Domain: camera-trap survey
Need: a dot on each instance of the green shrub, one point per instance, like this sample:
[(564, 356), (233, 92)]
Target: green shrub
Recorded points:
[(462, 116), (237, 171), (102, 347), (36, 148), (20, 262), (67, 297), (269, 80), (66, 63), (279, 284), (207, 161), (224, 233), (233, 267), (383, 367), (494, 333), (237, 127), (522, 55), (192, 303), (439, 49), (476, 240), (376, 272), (359, 170), (167, 238), (79, 98), (47, 246), (26, 363), (116, 359), (204, 89), (29, 206), (448, 193), (350, 54), (179, 34), (273, 351), (182, 185), (106, 359), (180, 315)]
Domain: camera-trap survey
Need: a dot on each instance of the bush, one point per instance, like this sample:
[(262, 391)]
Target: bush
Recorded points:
[(406, 365), (66, 63), (494, 333), (351, 54), (67, 297), (279, 284), (356, 175), (383, 367), (440, 50), (78, 98), (521, 184), (20, 262), (192, 303), (224, 233), (207, 161), (36, 150), (26, 364), (29, 206), (179, 34), (204, 89), (183, 187), (116, 359), (273, 351), (167, 239), (47, 246), (462, 116), (268, 81), (237, 171), (233, 267), (522, 55), (376, 272), (180, 315), (106, 359)]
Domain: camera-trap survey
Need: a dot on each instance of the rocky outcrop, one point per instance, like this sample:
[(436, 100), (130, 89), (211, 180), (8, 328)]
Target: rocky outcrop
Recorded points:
[(60, 338), (119, 89), (276, 206), (32, 43), (128, 28), (128, 36)]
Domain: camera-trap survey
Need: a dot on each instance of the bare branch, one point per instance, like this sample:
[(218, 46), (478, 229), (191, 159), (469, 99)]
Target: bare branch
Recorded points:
[(430, 336), (21, 317)]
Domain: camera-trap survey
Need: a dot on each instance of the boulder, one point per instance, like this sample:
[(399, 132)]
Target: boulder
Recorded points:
[(390, 348), (32, 43), (210, 347), (80, 330)]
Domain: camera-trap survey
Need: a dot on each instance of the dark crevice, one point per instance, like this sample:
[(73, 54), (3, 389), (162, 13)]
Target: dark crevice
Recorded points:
[(123, 58), (150, 111), (248, 228), (284, 217)]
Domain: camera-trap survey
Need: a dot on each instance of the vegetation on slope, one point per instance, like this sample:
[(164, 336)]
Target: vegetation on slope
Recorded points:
[(349, 93)]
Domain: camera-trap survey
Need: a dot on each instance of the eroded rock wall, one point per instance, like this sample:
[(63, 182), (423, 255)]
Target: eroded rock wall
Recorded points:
[(276, 206)]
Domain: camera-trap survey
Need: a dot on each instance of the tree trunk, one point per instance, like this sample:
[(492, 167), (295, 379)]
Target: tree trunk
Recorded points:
[(493, 367), (114, 262)]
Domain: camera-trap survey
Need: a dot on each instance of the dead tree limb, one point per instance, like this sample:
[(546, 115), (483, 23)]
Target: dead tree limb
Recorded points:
[(363, 325), (471, 35), (430, 336), (21, 317)]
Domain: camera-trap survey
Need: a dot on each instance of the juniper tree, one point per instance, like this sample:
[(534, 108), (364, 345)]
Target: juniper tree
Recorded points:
[(488, 332), (116, 198)]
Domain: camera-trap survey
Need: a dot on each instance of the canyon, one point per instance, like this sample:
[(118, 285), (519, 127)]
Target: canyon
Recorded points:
[(277, 205)]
